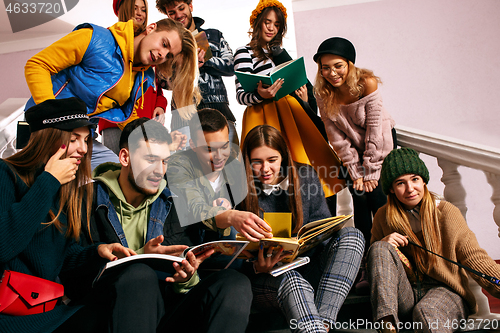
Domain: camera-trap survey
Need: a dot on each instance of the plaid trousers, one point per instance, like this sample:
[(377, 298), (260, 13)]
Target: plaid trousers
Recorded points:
[(393, 294), (331, 273)]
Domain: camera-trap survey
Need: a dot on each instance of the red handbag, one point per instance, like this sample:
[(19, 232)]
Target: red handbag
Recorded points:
[(23, 294)]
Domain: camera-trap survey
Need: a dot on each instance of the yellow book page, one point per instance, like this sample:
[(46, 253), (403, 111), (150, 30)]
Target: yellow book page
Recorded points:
[(319, 236), (312, 227), (281, 223), (289, 245)]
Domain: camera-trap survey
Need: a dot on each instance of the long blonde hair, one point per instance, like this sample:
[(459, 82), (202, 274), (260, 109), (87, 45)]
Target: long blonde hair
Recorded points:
[(355, 80), (397, 219), (40, 148), (181, 71)]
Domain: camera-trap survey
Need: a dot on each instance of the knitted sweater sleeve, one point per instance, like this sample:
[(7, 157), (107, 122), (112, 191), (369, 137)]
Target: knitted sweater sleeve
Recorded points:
[(78, 256), (470, 254), (222, 65), (66, 52), (243, 63), (373, 156), (20, 218), (340, 142)]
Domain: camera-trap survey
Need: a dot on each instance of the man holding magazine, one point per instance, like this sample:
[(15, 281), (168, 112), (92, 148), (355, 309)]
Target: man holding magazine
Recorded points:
[(133, 206)]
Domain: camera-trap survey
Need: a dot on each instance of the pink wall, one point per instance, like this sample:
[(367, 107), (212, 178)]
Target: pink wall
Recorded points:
[(439, 59), (440, 64), (13, 81)]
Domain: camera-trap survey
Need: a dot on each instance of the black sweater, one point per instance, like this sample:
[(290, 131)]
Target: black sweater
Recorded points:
[(30, 247)]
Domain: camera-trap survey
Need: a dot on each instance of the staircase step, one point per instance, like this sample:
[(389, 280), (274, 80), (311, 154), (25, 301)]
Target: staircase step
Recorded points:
[(354, 308)]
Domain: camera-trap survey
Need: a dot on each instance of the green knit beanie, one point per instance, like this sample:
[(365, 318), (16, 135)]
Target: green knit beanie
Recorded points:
[(400, 162)]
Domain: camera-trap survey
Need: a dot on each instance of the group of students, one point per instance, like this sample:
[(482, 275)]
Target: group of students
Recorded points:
[(62, 223)]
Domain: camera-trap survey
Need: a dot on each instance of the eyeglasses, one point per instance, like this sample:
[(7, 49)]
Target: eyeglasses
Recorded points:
[(338, 69)]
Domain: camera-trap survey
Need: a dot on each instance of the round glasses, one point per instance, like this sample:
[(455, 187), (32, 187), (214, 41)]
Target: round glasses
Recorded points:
[(337, 69)]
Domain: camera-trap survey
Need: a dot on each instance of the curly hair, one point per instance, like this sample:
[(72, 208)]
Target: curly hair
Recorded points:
[(162, 4), (355, 80), (256, 33)]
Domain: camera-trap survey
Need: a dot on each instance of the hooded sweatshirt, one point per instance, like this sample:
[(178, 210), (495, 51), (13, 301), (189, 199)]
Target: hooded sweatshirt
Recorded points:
[(134, 220), (69, 51)]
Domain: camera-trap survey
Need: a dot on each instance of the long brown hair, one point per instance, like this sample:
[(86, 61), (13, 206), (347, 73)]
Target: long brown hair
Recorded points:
[(355, 80), (256, 33), (126, 12), (40, 148), (397, 219), (181, 71), (265, 135)]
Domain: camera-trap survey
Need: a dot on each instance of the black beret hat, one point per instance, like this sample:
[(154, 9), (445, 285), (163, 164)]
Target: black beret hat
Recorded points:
[(338, 46), (64, 114)]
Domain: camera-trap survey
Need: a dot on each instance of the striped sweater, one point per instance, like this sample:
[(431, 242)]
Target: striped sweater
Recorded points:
[(244, 61)]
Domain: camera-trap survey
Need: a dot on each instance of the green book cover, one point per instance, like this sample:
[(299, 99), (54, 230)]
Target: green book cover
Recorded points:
[(293, 72)]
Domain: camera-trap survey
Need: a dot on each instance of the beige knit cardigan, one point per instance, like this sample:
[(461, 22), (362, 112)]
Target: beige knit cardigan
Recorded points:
[(459, 244)]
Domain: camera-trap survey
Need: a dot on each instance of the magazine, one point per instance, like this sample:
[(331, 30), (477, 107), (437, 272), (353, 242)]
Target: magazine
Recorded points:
[(308, 237), (163, 262)]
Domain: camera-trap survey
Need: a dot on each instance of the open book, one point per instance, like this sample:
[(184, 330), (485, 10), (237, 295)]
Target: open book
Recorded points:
[(308, 237), (202, 43), (163, 262), (293, 72), (230, 248)]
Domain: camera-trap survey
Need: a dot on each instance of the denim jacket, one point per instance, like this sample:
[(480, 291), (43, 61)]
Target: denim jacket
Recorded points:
[(106, 227)]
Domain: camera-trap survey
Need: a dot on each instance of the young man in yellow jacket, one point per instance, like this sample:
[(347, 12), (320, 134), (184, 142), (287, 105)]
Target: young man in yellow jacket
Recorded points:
[(100, 66)]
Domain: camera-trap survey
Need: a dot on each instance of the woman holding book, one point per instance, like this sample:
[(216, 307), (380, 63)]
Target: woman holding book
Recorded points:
[(312, 295), (42, 189), (152, 104), (294, 115), (359, 128), (433, 290)]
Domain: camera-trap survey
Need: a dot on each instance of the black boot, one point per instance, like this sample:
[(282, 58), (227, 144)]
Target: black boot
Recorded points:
[(362, 287)]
